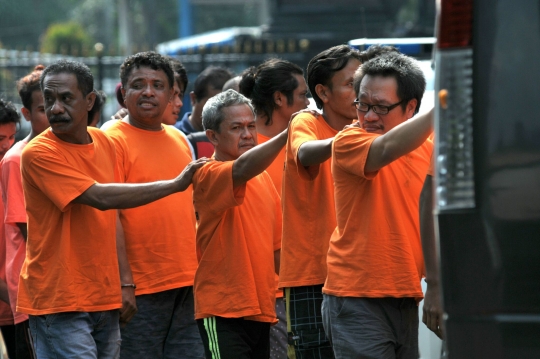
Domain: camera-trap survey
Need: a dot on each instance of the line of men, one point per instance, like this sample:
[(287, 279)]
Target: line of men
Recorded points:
[(335, 216)]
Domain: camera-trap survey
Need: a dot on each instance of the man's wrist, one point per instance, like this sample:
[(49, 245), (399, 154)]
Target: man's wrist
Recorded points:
[(128, 285)]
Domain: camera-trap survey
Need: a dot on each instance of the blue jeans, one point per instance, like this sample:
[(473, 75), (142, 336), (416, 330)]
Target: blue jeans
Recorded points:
[(163, 328), (76, 335)]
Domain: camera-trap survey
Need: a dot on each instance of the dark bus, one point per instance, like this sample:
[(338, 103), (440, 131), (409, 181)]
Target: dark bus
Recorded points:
[(487, 181)]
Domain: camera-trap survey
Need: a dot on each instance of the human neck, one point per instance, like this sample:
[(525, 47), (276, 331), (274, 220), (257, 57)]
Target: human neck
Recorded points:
[(195, 125), (273, 129), (337, 122), (152, 124)]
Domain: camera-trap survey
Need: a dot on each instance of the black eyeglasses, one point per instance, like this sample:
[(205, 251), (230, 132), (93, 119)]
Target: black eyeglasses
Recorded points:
[(378, 109)]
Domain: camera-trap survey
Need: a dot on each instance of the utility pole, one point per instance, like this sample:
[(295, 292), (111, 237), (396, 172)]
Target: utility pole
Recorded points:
[(124, 27)]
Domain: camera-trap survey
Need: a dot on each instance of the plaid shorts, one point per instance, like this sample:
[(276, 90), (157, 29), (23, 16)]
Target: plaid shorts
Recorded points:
[(304, 323)]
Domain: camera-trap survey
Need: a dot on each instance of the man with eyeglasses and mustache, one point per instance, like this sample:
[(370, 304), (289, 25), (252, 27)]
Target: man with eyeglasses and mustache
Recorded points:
[(375, 262)]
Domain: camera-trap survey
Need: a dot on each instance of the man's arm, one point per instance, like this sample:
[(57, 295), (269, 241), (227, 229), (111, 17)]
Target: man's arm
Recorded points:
[(105, 196), (399, 141), (24, 230), (277, 260), (432, 310), (4, 296), (129, 305), (314, 152), (257, 159)]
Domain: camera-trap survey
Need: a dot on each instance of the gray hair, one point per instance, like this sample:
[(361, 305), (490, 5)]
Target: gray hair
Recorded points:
[(212, 113)]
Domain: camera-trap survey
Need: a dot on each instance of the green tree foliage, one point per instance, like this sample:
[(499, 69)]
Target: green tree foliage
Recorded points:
[(68, 37)]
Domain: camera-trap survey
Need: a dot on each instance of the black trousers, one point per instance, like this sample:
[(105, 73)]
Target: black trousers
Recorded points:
[(234, 338)]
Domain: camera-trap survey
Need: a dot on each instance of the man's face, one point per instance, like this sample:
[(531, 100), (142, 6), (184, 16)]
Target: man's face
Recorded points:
[(300, 100), (237, 133), (147, 94), (378, 90), (341, 94), (66, 107), (198, 105), (170, 116), (36, 115), (7, 137)]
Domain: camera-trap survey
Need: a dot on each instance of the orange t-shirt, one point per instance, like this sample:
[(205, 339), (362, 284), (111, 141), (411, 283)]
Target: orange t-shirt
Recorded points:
[(71, 262), (6, 315), (238, 232), (308, 207), (375, 250), (13, 197), (160, 236), (275, 170)]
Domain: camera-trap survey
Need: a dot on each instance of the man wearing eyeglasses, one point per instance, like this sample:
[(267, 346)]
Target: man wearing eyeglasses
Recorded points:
[(375, 262)]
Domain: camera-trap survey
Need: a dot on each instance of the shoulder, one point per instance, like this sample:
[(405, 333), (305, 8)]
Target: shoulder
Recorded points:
[(14, 153), (306, 118)]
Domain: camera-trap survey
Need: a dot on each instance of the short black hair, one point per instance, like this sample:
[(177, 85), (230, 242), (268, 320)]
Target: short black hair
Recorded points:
[(410, 79), (180, 73), (99, 102), (322, 67), (85, 79), (214, 76), (260, 83), (377, 50), (149, 59), (8, 113), (28, 84)]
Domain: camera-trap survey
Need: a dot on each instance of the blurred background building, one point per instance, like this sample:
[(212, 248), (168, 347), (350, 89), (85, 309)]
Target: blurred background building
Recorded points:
[(231, 33)]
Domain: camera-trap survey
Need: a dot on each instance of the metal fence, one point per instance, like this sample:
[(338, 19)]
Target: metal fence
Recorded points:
[(15, 64)]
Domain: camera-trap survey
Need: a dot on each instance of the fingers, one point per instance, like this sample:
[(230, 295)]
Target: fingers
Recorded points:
[(129, 305), (433, 320)]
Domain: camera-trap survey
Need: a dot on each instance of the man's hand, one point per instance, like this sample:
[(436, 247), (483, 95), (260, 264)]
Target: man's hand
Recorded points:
[(129, 305), (184, 179), (432, 310), (123, 112)]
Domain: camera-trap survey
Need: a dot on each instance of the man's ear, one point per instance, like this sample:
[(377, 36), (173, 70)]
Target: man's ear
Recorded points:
[(192, 98), (90, 98), (26, 113), (211, 134), (322, 92), (411, 106), (278, 98)]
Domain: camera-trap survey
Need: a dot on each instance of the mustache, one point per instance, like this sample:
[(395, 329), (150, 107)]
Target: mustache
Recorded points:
[(57, 118)]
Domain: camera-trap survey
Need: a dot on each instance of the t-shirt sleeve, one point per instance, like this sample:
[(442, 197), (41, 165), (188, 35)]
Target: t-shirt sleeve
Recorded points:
[(14, 208), (52, 175), (213, 187), (303, 129), (118, 144), (350, 150)]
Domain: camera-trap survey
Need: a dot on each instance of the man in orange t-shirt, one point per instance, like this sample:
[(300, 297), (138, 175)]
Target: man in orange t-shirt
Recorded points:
[(239, 233), (375, 261), (70, 284), (277, 89), (160, 236), (308, 197)]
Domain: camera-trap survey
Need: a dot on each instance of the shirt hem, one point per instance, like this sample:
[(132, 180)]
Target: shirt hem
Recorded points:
[(32, 311), (300, 283), (337, 293), (143, 291)]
